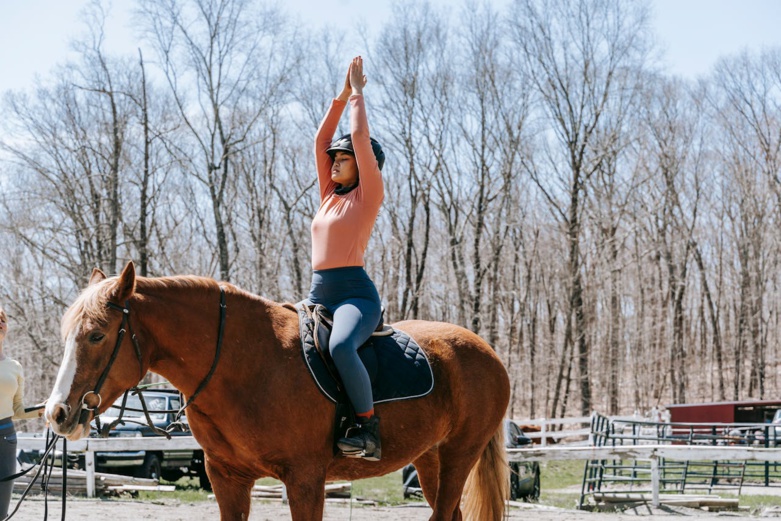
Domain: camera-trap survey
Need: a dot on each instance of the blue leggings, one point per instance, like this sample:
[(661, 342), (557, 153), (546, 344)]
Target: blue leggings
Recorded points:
[(7, 463), (351, 298)]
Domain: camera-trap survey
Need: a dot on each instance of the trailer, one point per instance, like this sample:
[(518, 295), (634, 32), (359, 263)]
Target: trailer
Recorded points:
[(757, 411)]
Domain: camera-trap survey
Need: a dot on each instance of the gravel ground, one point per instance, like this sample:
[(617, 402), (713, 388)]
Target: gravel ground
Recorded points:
[(124, 510)]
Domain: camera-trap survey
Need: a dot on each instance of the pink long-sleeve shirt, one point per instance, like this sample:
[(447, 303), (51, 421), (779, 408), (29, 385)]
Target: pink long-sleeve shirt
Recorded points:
[(343, 223)]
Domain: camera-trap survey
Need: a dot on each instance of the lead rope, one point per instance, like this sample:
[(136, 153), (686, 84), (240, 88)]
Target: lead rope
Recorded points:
[(51, 438), (64, 474), (45, 469)]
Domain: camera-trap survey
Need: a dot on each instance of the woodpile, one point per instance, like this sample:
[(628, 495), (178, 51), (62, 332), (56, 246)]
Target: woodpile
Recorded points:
[(105, 484), (709, 502), (334, 493), (332, 490)]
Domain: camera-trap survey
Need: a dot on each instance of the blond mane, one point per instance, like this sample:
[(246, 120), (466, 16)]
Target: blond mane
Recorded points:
[(91, 304)]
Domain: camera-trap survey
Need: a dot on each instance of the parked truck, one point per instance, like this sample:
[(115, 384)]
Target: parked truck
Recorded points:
[(171, 464)]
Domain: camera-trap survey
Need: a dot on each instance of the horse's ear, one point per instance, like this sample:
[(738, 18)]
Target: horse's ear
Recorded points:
[(96, 276), (126, 283)]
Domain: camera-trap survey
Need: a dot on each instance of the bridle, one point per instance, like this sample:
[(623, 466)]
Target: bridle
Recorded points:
[(125, 327)]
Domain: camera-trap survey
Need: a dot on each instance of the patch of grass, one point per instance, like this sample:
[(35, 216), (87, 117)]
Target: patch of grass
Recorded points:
[(386, 489), (560, 483), (758, 503), (560, 487), (568, 500), (268, 482), (560, 474), (187, 491)]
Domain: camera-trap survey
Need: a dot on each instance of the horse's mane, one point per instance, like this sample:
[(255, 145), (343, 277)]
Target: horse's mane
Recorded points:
[(91, 304), (178, 281)]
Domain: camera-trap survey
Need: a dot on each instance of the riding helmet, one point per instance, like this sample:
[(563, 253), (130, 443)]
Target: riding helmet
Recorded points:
[(345, 144)]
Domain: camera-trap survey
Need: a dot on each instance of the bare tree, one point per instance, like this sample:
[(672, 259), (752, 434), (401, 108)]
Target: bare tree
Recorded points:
[(224, 63), (574, 50), (676, 163), (747, 105), (614, 185), (62, 206), (476, 192), (411, 120), (69, 153)]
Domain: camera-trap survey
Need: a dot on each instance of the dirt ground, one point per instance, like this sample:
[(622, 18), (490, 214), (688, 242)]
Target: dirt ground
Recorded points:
[(130, 510)]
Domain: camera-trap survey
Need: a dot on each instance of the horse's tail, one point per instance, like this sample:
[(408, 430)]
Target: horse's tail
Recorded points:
[(488, 485)]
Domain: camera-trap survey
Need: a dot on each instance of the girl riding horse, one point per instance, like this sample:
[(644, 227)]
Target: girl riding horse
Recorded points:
[(351, 192)]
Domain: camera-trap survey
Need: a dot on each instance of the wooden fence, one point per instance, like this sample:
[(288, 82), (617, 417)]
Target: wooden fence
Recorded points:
[(549, 431), (652, 453), (89, 446)]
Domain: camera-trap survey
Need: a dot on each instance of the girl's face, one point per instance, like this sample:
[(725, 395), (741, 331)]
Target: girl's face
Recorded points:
[(345, 169)]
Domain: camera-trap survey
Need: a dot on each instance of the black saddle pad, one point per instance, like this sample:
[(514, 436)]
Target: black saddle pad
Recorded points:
[(397, 366)]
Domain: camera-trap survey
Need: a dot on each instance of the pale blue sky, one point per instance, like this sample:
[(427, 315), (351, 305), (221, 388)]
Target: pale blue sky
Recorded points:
[(35, 34)]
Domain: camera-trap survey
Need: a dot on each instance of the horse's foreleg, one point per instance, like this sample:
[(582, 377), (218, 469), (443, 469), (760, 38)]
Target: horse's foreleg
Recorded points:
[(306, 493), (233, 493)]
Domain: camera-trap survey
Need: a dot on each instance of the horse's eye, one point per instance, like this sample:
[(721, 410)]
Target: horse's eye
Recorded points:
[(96, 337)]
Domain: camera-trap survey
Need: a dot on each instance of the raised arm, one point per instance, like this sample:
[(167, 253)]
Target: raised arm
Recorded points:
[(324, 136), (371, 177)]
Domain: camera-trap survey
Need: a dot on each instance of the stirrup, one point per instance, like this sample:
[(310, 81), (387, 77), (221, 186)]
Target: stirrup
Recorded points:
[(360, 452)]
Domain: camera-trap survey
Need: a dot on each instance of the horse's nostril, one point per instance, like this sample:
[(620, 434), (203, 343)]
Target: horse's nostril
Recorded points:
[(60, 413)]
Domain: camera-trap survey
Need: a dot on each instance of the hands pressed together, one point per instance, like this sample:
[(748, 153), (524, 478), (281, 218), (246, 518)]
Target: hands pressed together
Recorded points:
[(355, 80)]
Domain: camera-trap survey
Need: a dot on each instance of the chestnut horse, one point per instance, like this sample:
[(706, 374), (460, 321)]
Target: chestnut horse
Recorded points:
[(261, 413)]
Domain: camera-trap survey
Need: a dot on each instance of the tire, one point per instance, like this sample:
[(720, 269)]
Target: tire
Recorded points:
[(410, 482), (151, 468), (515, 482), (203, 480), (535, 495), (171, 474), (409, 476), (198, 467)]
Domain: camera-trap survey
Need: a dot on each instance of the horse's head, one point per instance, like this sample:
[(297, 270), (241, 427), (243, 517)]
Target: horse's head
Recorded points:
[(100, 361)]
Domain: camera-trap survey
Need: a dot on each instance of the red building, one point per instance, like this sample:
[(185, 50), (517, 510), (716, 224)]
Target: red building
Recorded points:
[(759, 411)]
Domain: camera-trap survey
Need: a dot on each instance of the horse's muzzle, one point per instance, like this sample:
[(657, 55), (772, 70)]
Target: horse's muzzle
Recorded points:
[(65, 422)]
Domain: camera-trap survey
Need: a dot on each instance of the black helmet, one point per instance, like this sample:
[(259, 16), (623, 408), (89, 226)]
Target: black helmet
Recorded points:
[(345, 144)]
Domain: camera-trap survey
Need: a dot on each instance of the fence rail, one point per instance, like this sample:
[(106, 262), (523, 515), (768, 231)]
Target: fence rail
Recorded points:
[(89, 446), (648, 448), (652, 453), (548, 429)]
